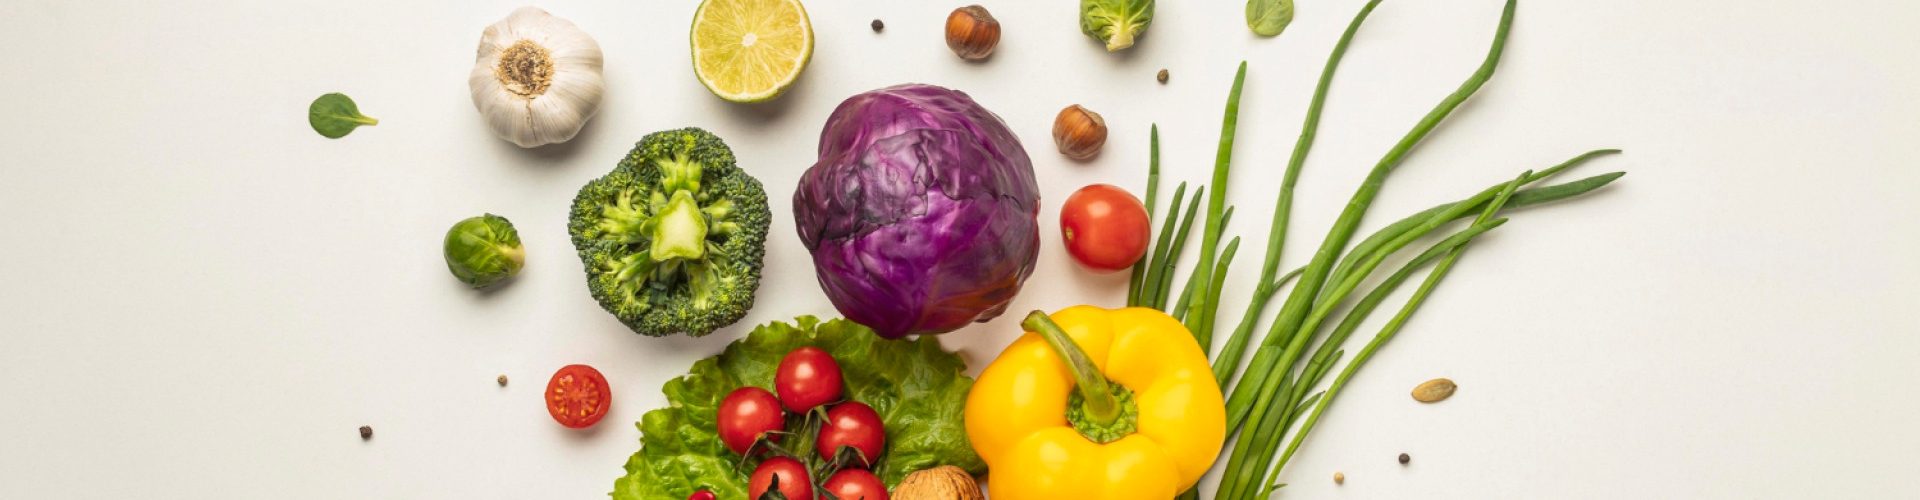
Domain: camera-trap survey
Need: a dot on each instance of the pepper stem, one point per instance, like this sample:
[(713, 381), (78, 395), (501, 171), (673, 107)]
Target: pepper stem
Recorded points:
[(1099, 401)]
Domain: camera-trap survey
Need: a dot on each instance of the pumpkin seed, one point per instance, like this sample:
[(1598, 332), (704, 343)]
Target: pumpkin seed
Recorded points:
[(1433, 391)]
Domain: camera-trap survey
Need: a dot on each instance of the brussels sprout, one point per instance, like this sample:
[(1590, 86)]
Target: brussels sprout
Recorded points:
[(483, 250), (1115, 22)]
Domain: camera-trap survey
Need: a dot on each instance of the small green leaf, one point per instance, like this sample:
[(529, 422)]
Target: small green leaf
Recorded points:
[(334, 116), (1269, 17)]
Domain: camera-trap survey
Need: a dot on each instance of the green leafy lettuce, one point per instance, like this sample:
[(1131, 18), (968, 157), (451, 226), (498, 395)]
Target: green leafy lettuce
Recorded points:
[(918, 389)]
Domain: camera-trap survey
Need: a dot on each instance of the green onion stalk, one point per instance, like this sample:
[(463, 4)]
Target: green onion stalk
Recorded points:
[(1267, 402)]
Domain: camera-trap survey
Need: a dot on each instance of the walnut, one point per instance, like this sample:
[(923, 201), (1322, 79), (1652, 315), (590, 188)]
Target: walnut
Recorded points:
[(945, 482)]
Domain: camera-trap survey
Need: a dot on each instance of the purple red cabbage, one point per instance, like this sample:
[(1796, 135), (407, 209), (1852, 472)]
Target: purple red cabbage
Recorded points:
[(921, 211)]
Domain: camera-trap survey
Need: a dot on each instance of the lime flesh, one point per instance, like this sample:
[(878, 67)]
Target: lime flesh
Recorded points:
[(750, 50)]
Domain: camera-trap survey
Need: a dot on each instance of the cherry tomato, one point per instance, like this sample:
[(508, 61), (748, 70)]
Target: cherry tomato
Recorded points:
[(808, 377), (853, 424), (793, 479), (746, 414), (578, 396), (1105, 227), (856, 484), (701, 495)]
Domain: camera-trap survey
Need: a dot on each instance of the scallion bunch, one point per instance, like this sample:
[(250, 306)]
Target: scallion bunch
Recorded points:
[(1280, 393)]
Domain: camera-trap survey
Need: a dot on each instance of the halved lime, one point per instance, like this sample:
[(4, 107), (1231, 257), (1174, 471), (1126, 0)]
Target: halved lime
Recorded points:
[(750, 50)]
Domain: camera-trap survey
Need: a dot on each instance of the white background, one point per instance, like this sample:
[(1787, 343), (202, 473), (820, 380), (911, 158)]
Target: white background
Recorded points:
[(201, 298)]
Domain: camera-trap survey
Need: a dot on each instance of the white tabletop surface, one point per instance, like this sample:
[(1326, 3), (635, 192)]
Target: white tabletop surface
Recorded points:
[(201, 298)]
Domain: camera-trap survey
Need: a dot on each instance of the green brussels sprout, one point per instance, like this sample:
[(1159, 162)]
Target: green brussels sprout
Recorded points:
[(1115, 22), (483, 250)]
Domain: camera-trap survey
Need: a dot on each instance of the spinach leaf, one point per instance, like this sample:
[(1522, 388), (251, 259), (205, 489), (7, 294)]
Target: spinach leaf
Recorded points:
[(918, 389), (334, 115), (1269, 17)]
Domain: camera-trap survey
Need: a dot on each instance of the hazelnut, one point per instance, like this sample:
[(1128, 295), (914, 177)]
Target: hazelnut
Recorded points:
[(972, 32), (1079, 132)]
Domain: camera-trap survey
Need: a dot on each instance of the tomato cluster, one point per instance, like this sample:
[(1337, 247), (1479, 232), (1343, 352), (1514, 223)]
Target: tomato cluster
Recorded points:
[(849, 438)]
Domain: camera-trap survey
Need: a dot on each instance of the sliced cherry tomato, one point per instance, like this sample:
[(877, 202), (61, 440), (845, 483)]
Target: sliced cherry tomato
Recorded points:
[(807, 377), (856, 484), (853, 424), (746, 414), (1105, 227), (701, 495), (578, 396), (793, 479)]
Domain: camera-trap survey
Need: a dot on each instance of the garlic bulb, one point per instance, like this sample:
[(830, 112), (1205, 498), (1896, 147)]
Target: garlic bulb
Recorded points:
[(537, 78)]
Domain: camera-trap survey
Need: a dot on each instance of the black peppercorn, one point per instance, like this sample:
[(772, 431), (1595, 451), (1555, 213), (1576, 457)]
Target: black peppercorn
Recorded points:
[(1404, 459), (366, 432), (877, 26), (1162, 77)]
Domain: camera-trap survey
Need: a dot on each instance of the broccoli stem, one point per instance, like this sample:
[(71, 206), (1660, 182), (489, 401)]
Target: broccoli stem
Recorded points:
[(720, 218), (680, 229)]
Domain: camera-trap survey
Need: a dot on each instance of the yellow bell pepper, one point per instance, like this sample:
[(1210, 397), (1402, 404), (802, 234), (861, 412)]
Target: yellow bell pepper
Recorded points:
[(1097, 404)]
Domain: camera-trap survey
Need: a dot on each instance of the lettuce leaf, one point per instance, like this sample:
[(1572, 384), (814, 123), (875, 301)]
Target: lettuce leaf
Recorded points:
[(918, 389)]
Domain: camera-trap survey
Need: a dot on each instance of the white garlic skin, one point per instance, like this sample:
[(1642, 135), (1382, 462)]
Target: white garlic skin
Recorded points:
[(555, 115)]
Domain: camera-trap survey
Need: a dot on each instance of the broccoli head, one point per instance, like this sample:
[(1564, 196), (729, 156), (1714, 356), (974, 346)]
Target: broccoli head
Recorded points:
[(673, 237)]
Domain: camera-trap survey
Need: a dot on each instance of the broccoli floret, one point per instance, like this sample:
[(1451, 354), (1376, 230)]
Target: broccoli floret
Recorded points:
[(673, 237)]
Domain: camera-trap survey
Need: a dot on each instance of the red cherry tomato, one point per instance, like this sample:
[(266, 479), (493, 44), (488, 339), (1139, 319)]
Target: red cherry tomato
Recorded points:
[(856, 484), (793, 479), (1105, 227), (701, 495), (807, 377), (746, 414), (578, 396), (853, 424)]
